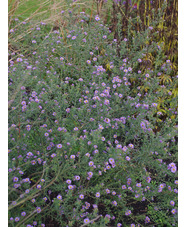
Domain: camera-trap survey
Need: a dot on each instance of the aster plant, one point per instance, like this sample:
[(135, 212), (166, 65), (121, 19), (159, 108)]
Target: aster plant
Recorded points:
[(89, 140)]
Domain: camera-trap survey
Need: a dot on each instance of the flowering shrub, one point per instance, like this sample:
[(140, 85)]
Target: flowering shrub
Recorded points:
[(88, 143)]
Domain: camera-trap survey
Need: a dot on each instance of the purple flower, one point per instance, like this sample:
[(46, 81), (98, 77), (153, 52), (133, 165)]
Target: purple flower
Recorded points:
[(27, 191), (38, 209), (128, 212), (97, 18), (173, 211), (91, 163), (108, 216), (154, 104), (147, 219), (94, 206), (68, 110), (88, 62), (28, 127), (29, 154), (73, 37), (53, 155), (131, 145), (45, 199), (19, 59), (72, 156), (23, 103), (77, 177), (162, 186), (111, 161), (15, 179), (107, 120), (68, 181), (127, 158), (119, 146), (114, 203), (142, 124), (23, 213), (97, 194), (173, 169), (59, 145), (59, 197), (172, 203), (81, 196), (129, 181), (148, 179), (124, 148), (90, 174), (107, 191), (86, 220), (70, 187), (106, 102), (14, 203), (171, 165), (33, 200), (38, 186), (124, 187), (138, 185), (17, 219)]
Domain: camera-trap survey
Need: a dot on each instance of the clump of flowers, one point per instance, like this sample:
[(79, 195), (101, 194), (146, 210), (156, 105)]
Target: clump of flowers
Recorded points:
[(87, 135)]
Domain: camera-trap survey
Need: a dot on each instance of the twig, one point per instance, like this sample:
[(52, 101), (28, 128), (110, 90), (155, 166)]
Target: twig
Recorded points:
[(14, 189)]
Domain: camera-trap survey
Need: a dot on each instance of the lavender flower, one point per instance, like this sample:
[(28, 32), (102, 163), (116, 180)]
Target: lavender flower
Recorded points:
[(147, 219), (38, 209), (81, 196), (172, 203), (127, 158), (59, 145), (97, 18), (173, 211), (59, 197), (128, 212), (86, 220), (17, 219), (97, 194)]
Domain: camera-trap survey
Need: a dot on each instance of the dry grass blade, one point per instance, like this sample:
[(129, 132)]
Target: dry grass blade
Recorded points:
[(12, 11)]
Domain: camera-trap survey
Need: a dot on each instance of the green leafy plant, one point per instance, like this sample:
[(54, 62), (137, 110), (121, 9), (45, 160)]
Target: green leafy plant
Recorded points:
[(92, 140)]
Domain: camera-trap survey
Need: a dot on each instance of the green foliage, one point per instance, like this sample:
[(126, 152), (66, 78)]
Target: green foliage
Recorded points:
[(92, 126)]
